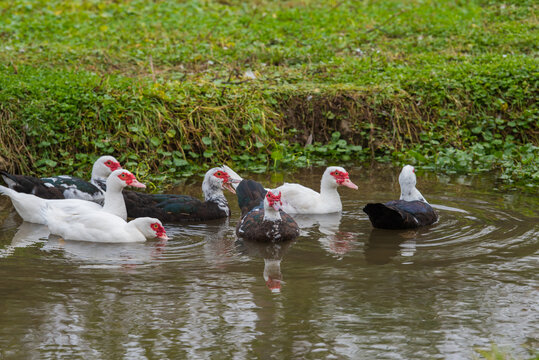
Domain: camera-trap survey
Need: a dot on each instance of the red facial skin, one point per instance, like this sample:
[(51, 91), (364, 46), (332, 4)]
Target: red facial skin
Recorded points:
[(159, 231), (226, 180), (130, 180), (274, 200), (341, 177), (112, 165)]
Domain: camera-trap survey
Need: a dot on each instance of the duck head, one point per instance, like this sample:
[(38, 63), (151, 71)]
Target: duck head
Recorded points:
[(104, 166), (272, 205), (273, 200), (150, 227), (215, 181), (338, 176), (407, 178), (407, 181), (121, 178)]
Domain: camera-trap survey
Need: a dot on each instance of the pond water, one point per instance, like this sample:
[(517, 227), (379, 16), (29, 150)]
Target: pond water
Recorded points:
[(347, 290)]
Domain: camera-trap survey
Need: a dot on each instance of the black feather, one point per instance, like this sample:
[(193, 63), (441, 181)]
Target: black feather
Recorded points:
[(400, 214), (31, 185), (252, 225), (171, 207), (250, 195)]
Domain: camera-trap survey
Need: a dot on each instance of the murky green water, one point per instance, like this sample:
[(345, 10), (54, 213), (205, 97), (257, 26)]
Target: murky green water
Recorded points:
[(348, 291)]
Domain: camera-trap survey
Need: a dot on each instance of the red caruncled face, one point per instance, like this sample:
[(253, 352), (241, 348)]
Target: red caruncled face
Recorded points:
[(273, 199), (127, 177), (222, 175), (340, 176), (112, 165), (159, 229), (226, 180)]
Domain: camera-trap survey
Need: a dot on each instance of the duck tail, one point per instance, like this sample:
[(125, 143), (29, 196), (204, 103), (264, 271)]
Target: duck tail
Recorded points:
[(384, 216)]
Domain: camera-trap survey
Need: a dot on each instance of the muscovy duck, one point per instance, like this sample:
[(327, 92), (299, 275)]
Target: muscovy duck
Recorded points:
[(99, 226), (302, 200), (411, 211), (179, 208), (64, 186), (262, 219), (29, 206)]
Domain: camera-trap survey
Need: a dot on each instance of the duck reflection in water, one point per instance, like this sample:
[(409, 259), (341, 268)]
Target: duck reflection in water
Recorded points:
[(219, 244), (127, 256), (27, 234), (272, 253), (383, 245), (332, 240)]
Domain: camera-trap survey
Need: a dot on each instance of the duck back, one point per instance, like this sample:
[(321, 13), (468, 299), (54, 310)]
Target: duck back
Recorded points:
[(254, 227), (400, 214), (172, 207), (31, 185)]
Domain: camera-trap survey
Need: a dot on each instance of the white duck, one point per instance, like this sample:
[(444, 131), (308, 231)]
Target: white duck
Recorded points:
[(65, 186), (99, 226), (407, 181), (29, 206), (302, 200)]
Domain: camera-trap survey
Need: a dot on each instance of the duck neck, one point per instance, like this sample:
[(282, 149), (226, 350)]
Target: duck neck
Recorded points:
[(330, 196), (213, 193), (410, 193), (134, 230), (270, 214), (114, 201)]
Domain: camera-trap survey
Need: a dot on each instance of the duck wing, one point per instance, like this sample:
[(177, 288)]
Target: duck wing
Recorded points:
[(298, 198), (75, 188), (400, 214), (172, 207), (96, 226), (31, 185)]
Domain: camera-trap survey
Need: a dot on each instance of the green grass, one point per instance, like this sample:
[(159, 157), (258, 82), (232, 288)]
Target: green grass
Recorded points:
[(163, 85)]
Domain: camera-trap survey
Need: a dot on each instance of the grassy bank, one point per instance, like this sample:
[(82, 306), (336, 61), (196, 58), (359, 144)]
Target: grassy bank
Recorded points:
[(173, 87)]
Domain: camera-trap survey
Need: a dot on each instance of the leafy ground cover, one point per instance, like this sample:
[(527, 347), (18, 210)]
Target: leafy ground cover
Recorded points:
[(173, 87)]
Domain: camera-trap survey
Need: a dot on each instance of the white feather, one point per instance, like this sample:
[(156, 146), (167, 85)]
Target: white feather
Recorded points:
[(96, 226), (298, 199), (407, 182)]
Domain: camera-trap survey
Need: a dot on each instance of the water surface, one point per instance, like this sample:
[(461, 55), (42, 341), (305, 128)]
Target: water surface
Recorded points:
[(342, 290)]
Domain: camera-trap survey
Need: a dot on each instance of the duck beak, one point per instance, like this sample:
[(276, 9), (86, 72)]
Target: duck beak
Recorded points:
[(229, 187), (163, 236), (276, 206), (349, 184), (137, 184)]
